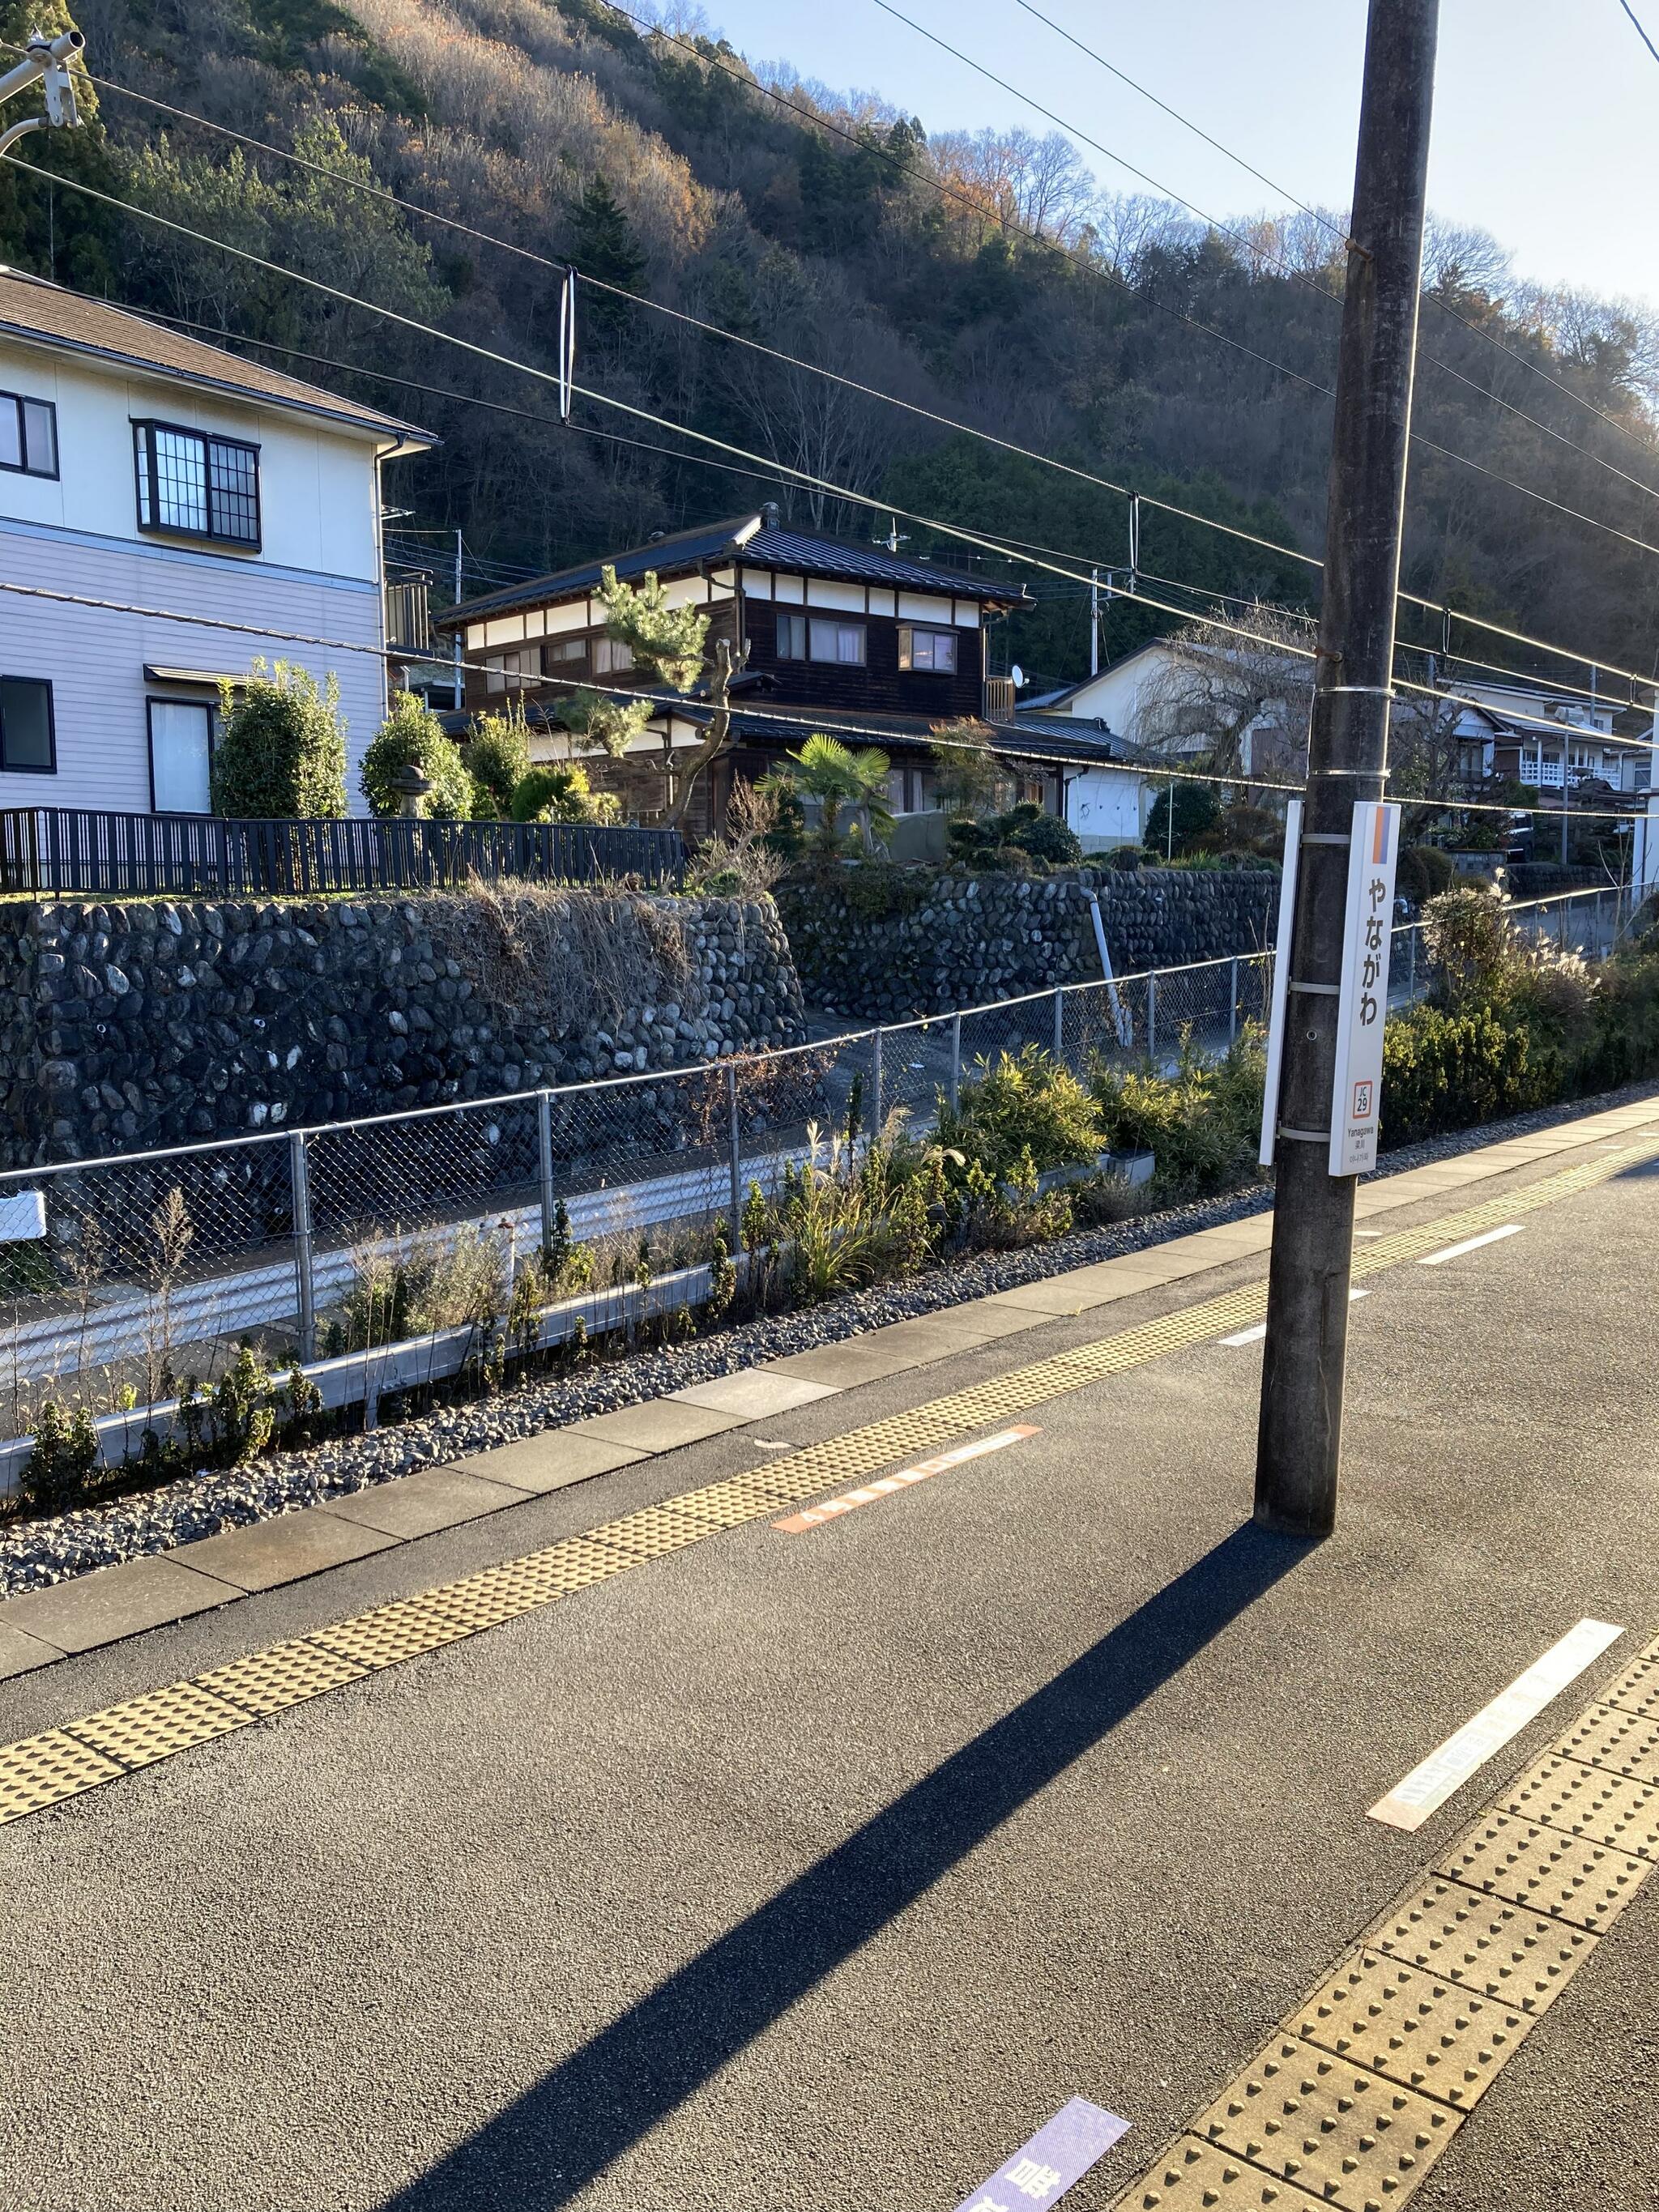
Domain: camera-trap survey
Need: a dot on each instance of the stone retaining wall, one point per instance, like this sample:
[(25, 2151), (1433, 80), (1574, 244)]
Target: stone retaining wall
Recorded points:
[(905, 942), (162, 1023)]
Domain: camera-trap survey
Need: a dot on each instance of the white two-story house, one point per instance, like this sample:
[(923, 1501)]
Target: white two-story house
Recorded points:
[(178, 510)]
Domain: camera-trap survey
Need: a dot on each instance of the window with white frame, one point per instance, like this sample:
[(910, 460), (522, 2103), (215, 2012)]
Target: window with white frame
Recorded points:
[(191, 485), (932, 650), (839, 642), (181, 734), (28, 739), (29, 435)]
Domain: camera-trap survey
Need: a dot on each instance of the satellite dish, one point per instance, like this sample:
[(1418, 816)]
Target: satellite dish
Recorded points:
[(1018, 675)]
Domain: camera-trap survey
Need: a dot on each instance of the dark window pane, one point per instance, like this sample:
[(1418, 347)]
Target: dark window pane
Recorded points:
[(39, 437), (11, 446), (25, 722), (838, 642), (234, 492)]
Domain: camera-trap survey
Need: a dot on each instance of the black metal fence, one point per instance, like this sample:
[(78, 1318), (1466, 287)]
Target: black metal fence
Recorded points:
[(79, 851)]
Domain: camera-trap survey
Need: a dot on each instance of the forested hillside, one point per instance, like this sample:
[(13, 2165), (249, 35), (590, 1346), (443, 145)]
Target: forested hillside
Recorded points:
[(980, 277)]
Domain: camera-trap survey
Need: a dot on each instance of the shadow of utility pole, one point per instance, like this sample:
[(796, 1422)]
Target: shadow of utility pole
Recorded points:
[(563, 2133)]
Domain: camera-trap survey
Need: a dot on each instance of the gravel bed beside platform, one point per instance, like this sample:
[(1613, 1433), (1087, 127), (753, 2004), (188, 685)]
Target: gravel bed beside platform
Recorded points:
[(39, 1554)]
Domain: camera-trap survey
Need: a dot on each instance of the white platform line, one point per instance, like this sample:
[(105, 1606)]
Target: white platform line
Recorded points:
[(1254, 1335), (1410, 1802), (1472, 1244)]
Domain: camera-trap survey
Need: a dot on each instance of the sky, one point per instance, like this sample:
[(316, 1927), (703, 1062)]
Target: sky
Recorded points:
[(1545, 110)]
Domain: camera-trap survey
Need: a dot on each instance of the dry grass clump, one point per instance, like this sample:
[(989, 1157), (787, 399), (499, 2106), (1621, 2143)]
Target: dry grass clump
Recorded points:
[(565, 957)]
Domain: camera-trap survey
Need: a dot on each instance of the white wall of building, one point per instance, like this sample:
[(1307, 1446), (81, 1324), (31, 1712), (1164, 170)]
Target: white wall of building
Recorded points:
[(317, 571), (1105, 806)]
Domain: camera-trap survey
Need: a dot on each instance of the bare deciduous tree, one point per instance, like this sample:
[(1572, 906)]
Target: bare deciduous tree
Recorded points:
[(1217, 695)]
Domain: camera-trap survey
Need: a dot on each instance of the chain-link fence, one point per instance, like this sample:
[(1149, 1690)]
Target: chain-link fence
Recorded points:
[(537, 1216)]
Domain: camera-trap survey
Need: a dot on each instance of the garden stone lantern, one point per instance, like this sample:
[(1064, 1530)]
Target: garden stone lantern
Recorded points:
[(413, 790)]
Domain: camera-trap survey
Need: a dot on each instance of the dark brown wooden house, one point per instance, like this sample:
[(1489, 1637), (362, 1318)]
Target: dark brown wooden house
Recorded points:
[(845, 637)]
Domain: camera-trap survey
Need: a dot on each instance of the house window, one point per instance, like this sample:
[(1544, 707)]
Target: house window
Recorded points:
[(836, 640), (181, 734), (28, 741), (28, 436), (612, 655), (933, 649), (193, 486), (564, 648), (513, 671), (792, 637)]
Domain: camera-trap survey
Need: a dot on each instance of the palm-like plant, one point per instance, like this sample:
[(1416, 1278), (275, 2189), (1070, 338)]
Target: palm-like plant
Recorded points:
[(836, 776)]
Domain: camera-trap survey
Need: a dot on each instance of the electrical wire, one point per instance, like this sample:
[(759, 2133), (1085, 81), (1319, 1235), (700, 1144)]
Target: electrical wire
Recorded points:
[(872, 391), (1429, 299), (1640, 33), (1287, 269), (1186, 121), (445, 392), (1071, 130), (985, 213), (704, 438)]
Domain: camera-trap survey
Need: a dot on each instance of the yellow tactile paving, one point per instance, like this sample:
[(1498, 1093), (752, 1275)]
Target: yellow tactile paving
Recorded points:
[(1370, 2076), (152, 1726), (46, 1769), (1495, 1950)]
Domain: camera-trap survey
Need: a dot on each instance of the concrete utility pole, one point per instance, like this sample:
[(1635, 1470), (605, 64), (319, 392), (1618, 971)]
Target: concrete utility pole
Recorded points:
[(1298, 1450)]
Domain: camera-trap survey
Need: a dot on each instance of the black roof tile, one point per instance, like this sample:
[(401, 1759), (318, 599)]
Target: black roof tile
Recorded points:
[(762, 544)]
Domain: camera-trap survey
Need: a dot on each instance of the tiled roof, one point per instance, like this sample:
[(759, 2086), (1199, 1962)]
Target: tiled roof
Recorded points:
[(762, 544), (32, 309), (778, 727)]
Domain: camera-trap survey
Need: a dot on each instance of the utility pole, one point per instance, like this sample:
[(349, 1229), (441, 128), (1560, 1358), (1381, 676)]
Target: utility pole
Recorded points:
[(1298, 1450), (459, 688), (1094, 622)]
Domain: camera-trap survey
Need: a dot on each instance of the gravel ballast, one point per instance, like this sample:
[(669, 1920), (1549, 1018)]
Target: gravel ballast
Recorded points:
[(38, 1554)]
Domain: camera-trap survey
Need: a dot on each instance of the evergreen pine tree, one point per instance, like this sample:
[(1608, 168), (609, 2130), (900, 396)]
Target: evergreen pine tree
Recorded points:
[(603, 244)]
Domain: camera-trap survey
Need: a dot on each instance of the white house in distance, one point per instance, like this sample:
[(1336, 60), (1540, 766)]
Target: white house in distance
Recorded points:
[(1500, 735), (170, 481)]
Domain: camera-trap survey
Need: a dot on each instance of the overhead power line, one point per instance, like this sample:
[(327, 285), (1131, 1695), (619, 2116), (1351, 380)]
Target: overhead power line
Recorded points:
[(1146, 770), (1640, 33), (800, 476), (1185, 121), (713, 329), (1431, 300), (985, 213), (1288, 269)]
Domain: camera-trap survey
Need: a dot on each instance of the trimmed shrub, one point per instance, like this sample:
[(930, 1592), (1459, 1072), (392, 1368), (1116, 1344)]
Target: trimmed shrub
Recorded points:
[(1024, 1107), (1197, 811), (411, 736), (561, 794), (281, 752), (1453, 1070), (497, 758), (1023, 840), (1202, 1123)]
